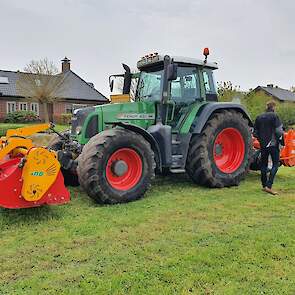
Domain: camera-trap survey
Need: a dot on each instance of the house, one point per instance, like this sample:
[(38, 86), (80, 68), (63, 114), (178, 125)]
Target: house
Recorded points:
[(276, 93), (77, 94)]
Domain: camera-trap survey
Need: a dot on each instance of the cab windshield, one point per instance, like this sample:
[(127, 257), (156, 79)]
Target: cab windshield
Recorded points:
[(150, 85)]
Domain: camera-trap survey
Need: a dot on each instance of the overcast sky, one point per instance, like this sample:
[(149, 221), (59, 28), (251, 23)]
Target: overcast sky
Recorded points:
[(252, 41)]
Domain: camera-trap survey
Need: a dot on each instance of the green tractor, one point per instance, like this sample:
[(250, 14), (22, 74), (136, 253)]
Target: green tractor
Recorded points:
[(175, 124)]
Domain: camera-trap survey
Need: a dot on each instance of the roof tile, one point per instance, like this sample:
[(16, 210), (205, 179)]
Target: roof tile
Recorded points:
[(76, 87), (280, 93)]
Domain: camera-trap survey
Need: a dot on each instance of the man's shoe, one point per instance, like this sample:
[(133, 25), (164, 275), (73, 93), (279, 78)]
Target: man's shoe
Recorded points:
[(270, 191)]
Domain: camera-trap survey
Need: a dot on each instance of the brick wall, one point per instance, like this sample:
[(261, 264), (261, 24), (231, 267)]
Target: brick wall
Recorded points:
[(2, 109), (64, 107), (3, 106), (59, 108), (17, 101)]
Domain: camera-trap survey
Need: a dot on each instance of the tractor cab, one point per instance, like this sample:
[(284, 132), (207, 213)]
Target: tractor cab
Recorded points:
[(189, 79), (177, 82)]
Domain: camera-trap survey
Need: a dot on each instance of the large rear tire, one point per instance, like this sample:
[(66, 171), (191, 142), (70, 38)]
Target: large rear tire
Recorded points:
[(220, 156), (116, 166)]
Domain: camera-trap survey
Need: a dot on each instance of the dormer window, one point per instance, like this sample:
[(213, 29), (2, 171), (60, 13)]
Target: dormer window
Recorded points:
[(4, 80)]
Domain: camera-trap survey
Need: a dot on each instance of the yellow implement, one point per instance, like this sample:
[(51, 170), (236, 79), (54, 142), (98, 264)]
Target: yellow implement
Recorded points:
[(119, 98), (39, 173), (27, 131), (29, 176), (15, 140)]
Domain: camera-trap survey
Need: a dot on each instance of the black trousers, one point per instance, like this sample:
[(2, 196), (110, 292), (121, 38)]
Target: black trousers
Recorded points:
[(274, 153)]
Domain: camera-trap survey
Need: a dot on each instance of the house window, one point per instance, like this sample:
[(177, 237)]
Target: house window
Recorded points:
[(79, 106), (35, 107), (68, 108), (23, 106), (10, 107)]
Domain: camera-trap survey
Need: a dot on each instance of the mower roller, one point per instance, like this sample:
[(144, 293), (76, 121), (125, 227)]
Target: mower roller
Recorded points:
[(29, 176)]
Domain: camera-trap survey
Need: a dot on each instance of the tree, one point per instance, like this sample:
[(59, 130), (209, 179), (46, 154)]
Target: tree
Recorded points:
[(41, 82), (228, 92)]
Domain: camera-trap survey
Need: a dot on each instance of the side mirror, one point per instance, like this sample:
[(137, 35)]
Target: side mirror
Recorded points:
[(127, 79), (172, 72), (111, 85)]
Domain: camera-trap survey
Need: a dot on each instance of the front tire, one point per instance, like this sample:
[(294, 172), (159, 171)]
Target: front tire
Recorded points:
[(116, 166), (220, 155)]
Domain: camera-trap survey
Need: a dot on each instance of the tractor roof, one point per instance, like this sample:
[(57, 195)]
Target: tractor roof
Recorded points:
[(156, 58)]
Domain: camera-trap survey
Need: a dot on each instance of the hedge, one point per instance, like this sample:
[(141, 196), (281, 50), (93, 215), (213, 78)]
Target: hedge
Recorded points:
[(63, 119), (22, 117), (255, 104)]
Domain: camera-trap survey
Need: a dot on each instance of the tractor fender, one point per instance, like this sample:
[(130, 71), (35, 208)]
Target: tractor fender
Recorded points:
[(207, 110), (147, 136)]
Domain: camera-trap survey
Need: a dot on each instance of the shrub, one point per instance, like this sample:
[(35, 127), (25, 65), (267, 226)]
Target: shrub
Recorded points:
[(228, 92), (63, 119), (255, 103), (286, 112), (22, 117)]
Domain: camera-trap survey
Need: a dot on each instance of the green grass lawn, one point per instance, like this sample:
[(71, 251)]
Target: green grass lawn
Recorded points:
[(5, 126), (179, 239)]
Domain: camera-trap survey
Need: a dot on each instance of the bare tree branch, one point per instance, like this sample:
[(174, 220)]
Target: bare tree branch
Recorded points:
[(42, 83)]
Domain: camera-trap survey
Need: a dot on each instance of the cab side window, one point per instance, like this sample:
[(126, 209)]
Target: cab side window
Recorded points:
[(186, 88), (211, 94), (206, 82)]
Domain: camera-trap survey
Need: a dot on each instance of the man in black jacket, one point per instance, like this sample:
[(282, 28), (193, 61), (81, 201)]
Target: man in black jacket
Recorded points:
[(269, 130)]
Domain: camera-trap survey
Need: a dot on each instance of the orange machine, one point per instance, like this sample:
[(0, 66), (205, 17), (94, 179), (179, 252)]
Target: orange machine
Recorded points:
[(287, 154)]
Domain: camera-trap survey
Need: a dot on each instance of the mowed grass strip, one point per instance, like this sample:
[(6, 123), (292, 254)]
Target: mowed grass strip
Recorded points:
[(179, 239), (6, 126)]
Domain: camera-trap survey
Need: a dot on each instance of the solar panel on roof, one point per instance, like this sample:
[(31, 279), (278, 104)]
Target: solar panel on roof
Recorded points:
[(4, 80)]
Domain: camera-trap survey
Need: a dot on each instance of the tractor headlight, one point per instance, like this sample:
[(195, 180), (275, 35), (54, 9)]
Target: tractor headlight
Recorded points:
[(78, 130)]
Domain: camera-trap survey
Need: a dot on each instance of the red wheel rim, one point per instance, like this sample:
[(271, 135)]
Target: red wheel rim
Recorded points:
[(229, 150), (131, 172)]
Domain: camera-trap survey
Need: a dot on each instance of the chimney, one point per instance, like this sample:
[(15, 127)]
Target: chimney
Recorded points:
[(65, 65), (270, 85)]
